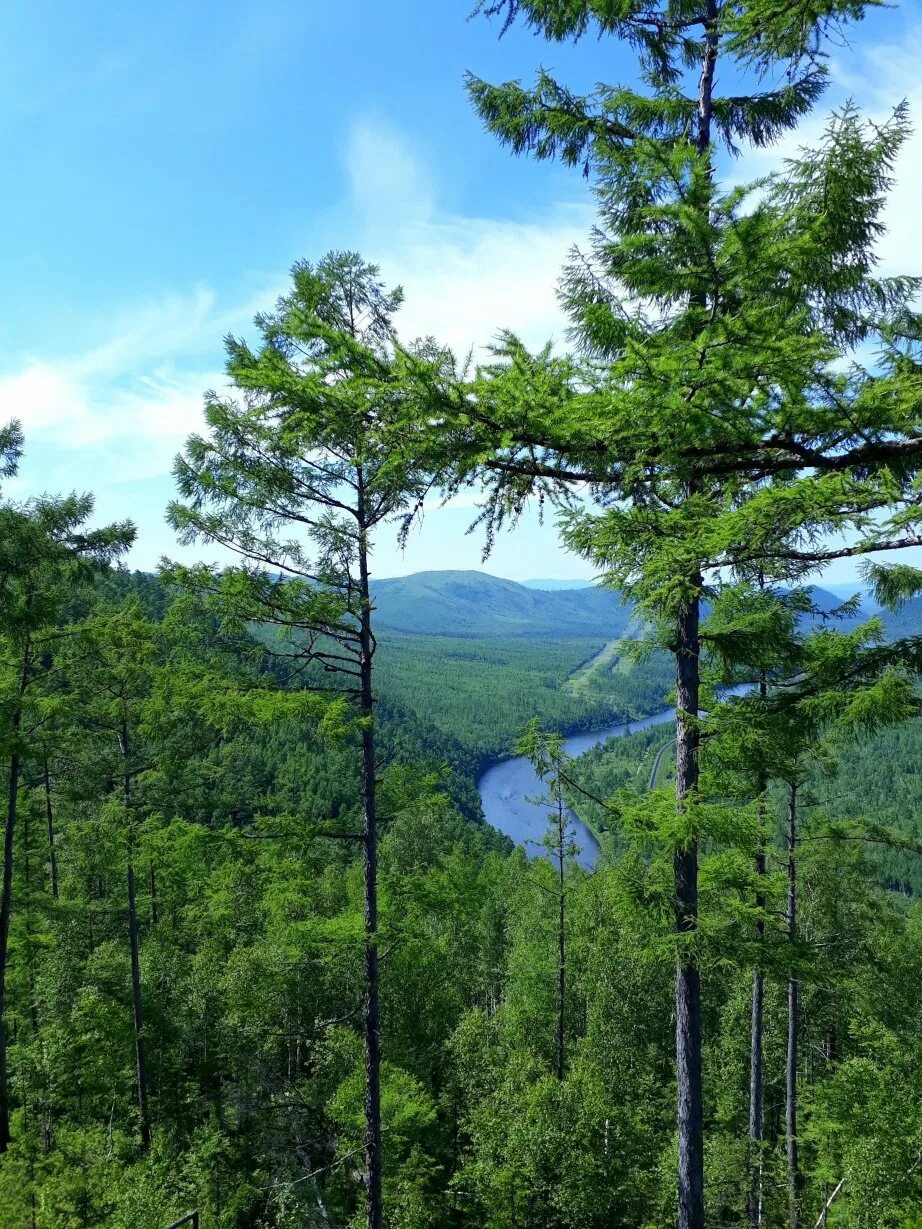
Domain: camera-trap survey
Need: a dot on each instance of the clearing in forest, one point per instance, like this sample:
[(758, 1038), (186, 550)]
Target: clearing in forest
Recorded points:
[(592, 673)]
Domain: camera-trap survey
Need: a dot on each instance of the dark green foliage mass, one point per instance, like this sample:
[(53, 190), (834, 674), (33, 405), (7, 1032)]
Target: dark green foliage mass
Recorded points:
[(250, 925)]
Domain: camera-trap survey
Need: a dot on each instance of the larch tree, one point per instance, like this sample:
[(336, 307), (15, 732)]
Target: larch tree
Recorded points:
[(47, 547), (816, 687), (295, 477), (109, 665), (711, 419), (545, 751)]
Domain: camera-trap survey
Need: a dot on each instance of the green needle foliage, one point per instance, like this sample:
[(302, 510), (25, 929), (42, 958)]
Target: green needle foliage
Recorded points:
[(295, 477), (47, 550), (712, 420), (260, 957)]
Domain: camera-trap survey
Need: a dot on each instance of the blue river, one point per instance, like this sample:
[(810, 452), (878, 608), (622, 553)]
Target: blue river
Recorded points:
[(508, 791)]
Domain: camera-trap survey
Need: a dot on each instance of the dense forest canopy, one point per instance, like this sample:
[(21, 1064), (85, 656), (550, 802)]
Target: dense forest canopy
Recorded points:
[(261, 957)]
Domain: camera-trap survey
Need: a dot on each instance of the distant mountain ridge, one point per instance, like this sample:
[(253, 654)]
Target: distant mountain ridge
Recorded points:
[(551, 584), (468, 603)]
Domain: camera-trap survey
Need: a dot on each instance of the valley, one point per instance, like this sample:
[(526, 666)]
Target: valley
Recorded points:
[(477, 692)]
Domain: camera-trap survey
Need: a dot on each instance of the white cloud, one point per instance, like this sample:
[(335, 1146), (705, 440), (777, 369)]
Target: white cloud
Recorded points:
[(58, 401), (127, 429), (125, 405), (385, 175), (877, 77), (465, 277)]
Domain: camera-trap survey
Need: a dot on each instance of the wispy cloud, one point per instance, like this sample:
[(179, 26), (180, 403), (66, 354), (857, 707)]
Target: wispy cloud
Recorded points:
[(126, 403), (465, 276), (123, 406), (876, 77)]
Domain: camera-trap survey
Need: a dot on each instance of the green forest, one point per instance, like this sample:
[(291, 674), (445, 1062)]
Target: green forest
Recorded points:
[(263, 962), (481, 692)]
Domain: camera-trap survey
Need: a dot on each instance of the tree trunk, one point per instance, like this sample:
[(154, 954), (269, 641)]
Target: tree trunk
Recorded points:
[(793, 1167), (756, 1079), (370, 1013), (6, 901), (756, 1085), (136, 1003), (28, 947), (152, 888), (49, 823), (685, 868), (561, 935), (138, 1009), (690, 1114)]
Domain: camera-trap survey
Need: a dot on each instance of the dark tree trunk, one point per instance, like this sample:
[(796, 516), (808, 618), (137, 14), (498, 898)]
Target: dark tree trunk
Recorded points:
[(560, 1046), (690, 1114), (152, 888), (370, 1013), (831, 1032), (685, 867), (49, 823), (29, 950), (136, 1003), (793, 1166), (138, 1010), (6, 901), (756, 1079), (5, 910)]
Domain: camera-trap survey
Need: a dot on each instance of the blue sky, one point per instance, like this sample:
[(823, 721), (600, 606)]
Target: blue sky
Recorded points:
[(165, 164)]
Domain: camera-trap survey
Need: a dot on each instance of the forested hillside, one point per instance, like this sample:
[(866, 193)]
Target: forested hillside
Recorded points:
[(248, 920), (874, 786), (473, 603), (481, 691)]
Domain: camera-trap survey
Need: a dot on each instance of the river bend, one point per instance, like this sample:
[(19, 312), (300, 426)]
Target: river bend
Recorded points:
[(508, 788)]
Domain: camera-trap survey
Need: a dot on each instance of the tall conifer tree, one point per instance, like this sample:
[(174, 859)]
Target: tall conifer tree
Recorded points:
[(710, 422), (47, 547), (296, 477)]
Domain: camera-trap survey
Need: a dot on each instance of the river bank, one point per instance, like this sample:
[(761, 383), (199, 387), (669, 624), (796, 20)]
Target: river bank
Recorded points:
[(510, 791)]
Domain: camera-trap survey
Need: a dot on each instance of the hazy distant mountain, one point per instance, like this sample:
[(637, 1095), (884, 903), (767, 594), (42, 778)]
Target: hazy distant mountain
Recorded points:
[(556, 584), (907, 621), (456, 603), (847, 589), (828, 600), (475, 604)]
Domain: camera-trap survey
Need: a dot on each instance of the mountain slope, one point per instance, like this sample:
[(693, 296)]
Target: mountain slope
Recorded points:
[(455, 603), (468, 603), (557, 584)]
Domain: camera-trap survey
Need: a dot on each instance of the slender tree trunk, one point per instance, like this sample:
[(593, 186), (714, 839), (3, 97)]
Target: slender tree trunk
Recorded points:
[(138, 1009), (756, 1079), (29, 949), (685, 867), (561, 935), (6, 901), (370, 1013), (152, 889), (136, 1003), (690, 1113), (49, 824), (793, 1167)]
